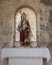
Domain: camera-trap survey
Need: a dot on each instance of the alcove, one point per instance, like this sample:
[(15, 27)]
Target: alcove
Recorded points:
[(32, 19)]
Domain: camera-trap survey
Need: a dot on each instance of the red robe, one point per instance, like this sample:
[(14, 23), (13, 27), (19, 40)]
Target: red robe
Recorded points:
[(24, 33)]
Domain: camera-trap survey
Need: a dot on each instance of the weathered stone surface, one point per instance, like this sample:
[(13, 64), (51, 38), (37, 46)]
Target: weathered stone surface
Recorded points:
[(44, 22), (46, 2), (50, 18)]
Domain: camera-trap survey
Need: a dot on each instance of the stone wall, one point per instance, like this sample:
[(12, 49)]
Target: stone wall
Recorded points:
[(44, 22)]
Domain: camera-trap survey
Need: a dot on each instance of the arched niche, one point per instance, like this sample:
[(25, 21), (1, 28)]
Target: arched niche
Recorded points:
[(32, 19)]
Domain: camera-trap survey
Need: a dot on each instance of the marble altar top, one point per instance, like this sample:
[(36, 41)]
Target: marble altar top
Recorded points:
[(26, 52)]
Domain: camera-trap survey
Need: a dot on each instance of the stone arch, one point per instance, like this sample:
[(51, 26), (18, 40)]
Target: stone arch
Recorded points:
[(24, 6)]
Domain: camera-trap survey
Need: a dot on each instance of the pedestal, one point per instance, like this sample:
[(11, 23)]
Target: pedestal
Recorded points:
[(25, 61)]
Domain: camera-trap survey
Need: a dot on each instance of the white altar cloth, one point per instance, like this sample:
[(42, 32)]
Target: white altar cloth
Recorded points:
[(26, 52)]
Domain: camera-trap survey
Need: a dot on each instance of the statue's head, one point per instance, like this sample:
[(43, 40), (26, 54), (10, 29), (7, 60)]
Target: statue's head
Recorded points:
[(23, 17)]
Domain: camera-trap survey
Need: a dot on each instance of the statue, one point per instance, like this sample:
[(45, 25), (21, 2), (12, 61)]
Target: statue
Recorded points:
[(25, 31)]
